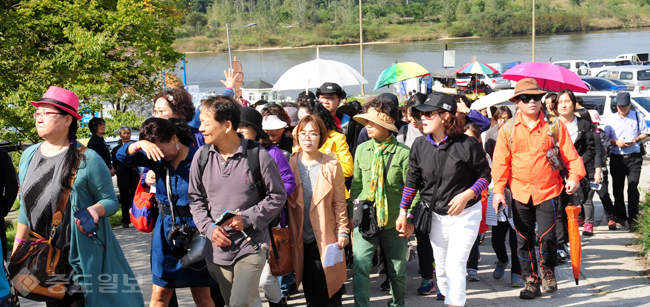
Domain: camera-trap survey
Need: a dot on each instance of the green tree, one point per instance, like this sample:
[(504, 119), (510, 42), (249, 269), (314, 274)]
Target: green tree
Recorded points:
[(103, 50), (197, 21)]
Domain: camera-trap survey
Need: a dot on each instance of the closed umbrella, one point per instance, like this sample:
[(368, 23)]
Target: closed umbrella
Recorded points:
[(314, 73), (572, 213), (400, 72), (548, 76)]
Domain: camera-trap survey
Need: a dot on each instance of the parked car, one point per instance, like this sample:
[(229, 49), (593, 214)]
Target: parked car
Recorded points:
[(633, 75), (495, 81), (596, 66), (574, 66), (605, 103), (604, 84)]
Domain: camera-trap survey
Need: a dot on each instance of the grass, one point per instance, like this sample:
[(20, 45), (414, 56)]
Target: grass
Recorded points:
[(643, 227)]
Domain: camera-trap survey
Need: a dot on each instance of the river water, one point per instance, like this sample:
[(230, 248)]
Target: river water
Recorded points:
[(206, 69)]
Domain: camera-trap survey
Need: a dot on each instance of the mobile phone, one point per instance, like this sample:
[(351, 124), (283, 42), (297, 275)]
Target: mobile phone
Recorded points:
[(502, 207), (595, 186), (226, 216), (87, 221)]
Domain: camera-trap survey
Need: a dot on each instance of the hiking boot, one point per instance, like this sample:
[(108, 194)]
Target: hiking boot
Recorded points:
[(385, 286), (439, 296), (562, 255), (281, 303), (500, 270), (531, 289), (549, 284), (515, 281), (426, 286), (588, 230), (612, 225), (632, 226), (472, 275)]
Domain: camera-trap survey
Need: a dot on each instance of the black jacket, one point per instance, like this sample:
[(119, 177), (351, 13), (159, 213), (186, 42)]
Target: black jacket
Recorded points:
[(351, 129), (8, 184), (127, 175), (465, 164), (588, 144), (97, 144)]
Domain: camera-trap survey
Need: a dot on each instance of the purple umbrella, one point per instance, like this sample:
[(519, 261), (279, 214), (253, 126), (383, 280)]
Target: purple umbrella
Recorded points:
[(548, 76)]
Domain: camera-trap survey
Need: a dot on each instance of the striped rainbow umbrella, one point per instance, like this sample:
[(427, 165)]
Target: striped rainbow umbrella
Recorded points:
[(476, 68), (400, 72)]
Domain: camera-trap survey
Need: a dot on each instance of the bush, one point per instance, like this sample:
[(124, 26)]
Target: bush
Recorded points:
[(643, 227), (460, 30)]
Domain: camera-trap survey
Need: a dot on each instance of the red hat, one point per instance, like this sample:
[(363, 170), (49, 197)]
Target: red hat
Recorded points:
[(61, 98)]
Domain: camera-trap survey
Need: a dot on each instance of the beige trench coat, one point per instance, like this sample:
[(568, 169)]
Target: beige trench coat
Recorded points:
[(328, 216)]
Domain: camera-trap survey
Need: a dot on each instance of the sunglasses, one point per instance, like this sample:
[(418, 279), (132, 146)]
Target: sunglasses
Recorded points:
[(526, 98)]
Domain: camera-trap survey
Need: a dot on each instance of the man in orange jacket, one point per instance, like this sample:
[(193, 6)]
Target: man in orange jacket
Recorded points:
[(521, 161)]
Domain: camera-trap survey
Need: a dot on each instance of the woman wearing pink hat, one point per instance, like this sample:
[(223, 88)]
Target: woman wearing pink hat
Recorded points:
[(46, 170)]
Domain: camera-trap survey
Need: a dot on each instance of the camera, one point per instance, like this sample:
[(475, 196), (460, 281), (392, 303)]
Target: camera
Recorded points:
[(180, 235)]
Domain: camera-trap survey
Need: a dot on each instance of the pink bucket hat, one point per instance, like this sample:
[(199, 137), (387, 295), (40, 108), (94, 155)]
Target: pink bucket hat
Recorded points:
[(61, 98)]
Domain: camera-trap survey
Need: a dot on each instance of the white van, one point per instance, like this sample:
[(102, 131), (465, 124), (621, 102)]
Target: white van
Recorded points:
[(596, 66), (633, 75), (574, 66)]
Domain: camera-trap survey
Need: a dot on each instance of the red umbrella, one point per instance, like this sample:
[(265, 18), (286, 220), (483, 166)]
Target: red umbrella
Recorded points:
[(549, 76), (572, 213)]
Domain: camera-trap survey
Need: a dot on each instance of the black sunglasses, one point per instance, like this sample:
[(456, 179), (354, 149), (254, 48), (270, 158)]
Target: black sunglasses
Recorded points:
[(526, 97)]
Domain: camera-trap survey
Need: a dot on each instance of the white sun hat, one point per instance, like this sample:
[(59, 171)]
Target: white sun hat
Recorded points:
[(273, 122)]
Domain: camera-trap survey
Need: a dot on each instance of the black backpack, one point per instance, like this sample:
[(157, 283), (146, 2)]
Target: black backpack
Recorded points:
[(253, 153)]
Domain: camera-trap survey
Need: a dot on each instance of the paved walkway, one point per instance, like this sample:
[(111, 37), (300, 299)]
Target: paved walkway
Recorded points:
[(612, 274)]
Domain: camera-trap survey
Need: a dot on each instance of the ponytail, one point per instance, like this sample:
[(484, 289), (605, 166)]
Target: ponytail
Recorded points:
[(72, 155)]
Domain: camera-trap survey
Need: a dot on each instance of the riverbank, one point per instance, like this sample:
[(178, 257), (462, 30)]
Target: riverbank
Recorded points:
[(292, 38)]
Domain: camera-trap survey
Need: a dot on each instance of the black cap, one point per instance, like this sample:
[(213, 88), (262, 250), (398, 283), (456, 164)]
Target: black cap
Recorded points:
[(251, 117), (330, 88), (438, 101), (623, 99)]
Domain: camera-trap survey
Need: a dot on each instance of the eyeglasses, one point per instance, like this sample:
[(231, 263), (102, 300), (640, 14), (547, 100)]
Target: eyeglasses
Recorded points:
[(45, 114), (526, 98), (242, 126), (503, 119), (303, 136), (159, 112)]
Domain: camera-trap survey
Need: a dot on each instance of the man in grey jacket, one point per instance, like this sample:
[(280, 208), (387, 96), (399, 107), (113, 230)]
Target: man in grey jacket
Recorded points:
[(238, 248)]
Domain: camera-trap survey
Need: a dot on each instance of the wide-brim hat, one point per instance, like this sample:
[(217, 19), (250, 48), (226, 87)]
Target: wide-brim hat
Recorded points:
[(61, 98), (251, 117), (527, 86), (378, 118), (273, 122), (437, 101)]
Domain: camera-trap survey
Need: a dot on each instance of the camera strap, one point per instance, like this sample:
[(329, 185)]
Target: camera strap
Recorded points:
[(169, 196)]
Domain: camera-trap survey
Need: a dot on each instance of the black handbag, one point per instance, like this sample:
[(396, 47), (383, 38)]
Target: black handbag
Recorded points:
[(422, 216), (365, 213)]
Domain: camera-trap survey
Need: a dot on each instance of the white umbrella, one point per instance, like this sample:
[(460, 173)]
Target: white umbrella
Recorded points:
[(314, 73), (492, 99)]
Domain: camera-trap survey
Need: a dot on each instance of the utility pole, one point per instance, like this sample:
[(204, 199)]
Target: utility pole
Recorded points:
[(533, 30), (361, 43)]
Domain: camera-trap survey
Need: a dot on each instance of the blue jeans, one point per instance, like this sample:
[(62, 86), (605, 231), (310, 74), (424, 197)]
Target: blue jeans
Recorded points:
[(285, 282)]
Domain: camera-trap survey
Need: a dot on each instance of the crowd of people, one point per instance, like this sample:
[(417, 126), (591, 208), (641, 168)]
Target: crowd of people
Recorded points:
[(361, 179)]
